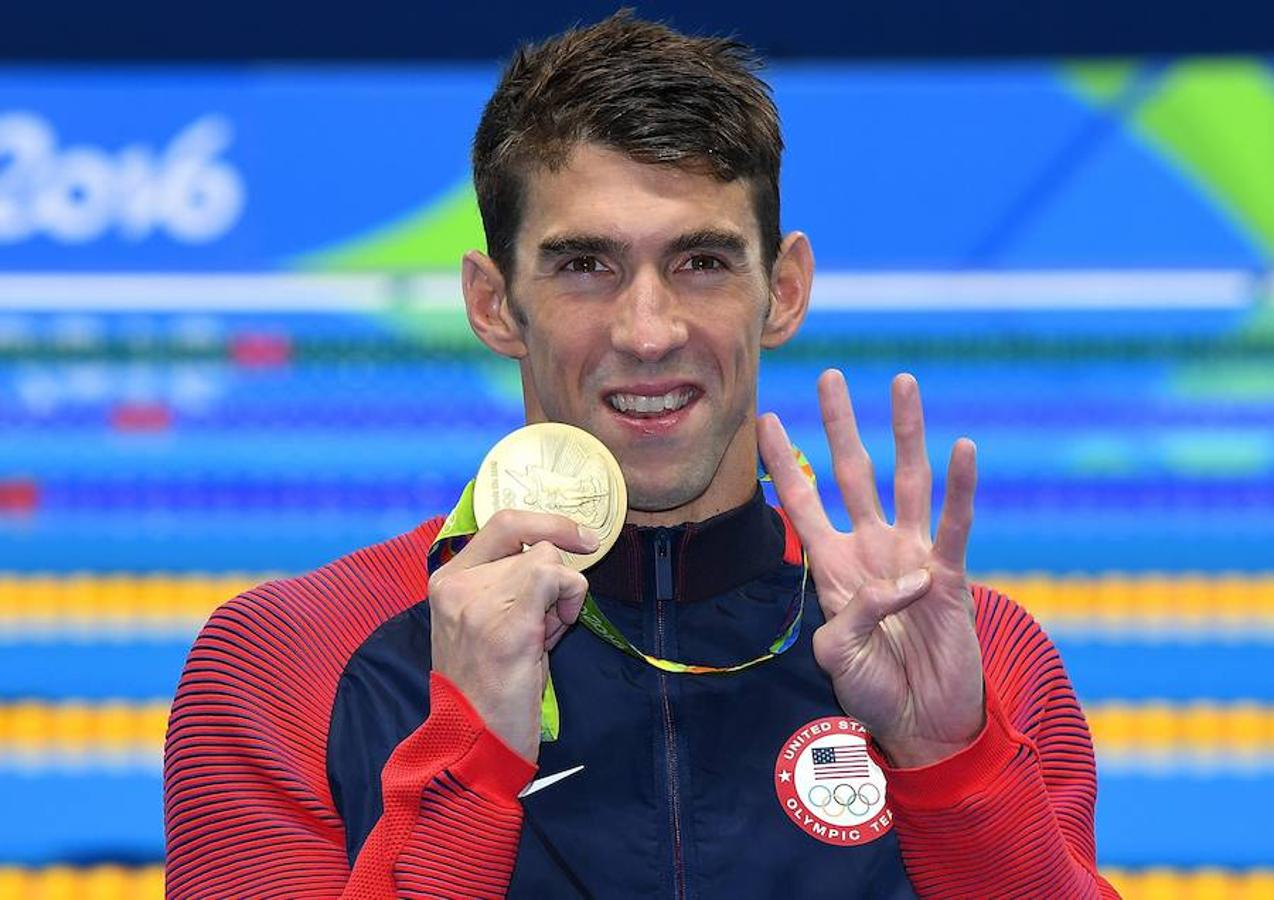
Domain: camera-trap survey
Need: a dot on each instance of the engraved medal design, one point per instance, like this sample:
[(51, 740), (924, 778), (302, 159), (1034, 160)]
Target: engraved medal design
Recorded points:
[(555, 468)]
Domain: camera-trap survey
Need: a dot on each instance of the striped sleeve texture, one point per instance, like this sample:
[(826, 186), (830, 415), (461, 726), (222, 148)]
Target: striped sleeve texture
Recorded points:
[(1011, 815), (247, 806)]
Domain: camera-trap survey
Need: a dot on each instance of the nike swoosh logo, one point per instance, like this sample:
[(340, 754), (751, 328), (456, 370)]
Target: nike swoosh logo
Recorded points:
[(540, 784)]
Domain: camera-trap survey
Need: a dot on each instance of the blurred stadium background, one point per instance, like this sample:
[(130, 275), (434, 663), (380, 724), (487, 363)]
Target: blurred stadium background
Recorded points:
[(231, 347)]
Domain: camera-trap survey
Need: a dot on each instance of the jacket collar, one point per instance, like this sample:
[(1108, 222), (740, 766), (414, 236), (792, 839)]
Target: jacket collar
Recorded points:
[(705, 559)]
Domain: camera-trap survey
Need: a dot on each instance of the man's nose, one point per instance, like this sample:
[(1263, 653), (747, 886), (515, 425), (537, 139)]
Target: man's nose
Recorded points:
[(648, 322)]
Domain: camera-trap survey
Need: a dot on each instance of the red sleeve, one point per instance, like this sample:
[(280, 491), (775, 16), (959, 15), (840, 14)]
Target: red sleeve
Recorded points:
[(452, 817), (1011, 815), (247, 806)]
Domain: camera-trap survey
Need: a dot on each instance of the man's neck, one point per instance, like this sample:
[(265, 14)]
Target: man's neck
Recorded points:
[(706, 559), (732, 485), (697, 510)]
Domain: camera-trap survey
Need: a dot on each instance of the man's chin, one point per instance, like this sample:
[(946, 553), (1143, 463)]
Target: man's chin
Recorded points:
[(656, 495)]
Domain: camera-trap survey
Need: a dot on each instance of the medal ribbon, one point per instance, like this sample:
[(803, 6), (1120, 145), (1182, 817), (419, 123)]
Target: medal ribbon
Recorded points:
[(461, 524)]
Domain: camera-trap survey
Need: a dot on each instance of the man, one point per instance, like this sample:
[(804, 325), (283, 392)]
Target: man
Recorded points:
[(336, 734)]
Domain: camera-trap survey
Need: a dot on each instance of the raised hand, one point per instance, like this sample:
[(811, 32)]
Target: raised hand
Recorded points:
[(898, 643), (496, 611)]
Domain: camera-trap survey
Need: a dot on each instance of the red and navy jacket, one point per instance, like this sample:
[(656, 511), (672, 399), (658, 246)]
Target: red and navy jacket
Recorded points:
[(311, 752)]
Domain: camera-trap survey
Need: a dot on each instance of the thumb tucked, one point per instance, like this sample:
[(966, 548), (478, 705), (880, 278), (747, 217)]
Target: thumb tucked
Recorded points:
[(878, 599), (913, 582)]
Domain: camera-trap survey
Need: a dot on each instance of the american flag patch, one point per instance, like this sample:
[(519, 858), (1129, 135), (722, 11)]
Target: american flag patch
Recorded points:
[(840, 762)]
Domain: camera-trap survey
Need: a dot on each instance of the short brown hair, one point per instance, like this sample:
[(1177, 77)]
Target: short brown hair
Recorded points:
[(637, 87)]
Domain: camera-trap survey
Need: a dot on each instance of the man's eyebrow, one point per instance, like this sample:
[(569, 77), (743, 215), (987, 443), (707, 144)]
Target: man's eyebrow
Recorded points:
[(728, 242), (580, 245)]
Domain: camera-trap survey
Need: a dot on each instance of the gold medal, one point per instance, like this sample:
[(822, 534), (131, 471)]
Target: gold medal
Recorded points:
[(555, 468)]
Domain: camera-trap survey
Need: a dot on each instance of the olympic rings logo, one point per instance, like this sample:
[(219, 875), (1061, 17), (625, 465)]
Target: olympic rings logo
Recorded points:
[(855, 801), (829, 786)]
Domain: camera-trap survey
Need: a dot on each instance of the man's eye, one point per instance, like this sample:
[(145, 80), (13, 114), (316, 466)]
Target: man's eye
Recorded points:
[(585, 265), (702, 263)]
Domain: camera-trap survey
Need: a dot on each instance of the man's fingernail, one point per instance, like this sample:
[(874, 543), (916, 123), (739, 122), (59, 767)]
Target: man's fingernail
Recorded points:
[(913, 581), (589, 539)]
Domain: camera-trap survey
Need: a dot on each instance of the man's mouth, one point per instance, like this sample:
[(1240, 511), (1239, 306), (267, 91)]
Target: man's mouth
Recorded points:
[(651, 405)]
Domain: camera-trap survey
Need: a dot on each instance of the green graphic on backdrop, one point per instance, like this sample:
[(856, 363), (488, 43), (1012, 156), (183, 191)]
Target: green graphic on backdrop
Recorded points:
[(1214, 118), (1217, 117), (432, 238), (1103, 82)]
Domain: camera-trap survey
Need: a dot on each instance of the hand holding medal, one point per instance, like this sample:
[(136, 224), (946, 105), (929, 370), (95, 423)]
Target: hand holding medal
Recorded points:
[(548, 501)]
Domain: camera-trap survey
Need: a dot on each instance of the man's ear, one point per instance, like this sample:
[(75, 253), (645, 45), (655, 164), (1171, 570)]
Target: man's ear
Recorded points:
[(790, 282), (486, 302)]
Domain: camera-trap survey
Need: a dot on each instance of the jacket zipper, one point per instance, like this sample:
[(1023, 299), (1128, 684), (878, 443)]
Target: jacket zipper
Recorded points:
[(664, 595)]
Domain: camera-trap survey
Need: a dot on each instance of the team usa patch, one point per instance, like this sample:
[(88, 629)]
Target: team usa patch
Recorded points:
[(829, 786)]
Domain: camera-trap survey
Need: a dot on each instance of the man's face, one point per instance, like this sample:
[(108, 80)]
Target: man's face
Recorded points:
[(641, 296)]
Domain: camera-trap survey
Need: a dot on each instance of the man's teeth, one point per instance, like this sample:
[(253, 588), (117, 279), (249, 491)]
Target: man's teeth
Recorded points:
[(642, 403)]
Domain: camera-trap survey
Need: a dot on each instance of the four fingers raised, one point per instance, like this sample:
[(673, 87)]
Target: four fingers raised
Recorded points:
[(913, 477)]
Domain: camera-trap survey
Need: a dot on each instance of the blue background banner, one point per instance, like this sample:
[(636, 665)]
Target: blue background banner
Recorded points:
[(232, 347), (1007, 166)]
